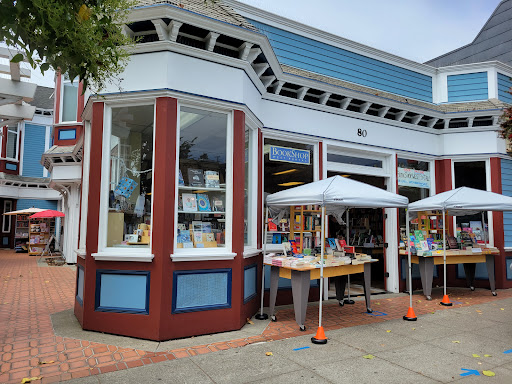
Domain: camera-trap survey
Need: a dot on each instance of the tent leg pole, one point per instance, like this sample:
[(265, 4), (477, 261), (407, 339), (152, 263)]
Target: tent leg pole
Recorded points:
[(320, 335), (446, 299), (411, 316), (348, 301), (261, 315)]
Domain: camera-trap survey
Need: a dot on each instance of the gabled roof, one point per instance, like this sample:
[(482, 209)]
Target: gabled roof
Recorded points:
[(494, 42), (209, 8), (43, 98)]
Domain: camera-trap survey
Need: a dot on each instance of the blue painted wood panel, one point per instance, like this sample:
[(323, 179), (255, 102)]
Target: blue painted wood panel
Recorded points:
[(480, 271), (504, 85), (506, 187), (250, 282), (311, 55), (508, 265), (80, 274), (122, 291), (29, 203), (201, 290), (468, 87), (67, 134), (34, 141)]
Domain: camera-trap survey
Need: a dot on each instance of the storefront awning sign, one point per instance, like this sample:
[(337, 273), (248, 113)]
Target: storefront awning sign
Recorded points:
[(289, 155), (413, 178)]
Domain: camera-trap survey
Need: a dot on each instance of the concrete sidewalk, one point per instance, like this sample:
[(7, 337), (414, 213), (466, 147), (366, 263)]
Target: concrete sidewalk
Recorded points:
[(434, 349)]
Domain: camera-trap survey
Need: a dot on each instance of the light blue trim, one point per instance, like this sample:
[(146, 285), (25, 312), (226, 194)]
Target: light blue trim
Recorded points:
[(508, 267), (11, 167), (122, 291), (80, 276), (201, 290), (504, 84), (250, 282), (468, 87), (314, 56), (29, 203)]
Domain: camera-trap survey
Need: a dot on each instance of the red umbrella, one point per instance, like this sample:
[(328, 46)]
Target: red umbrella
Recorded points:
[(49, 213)]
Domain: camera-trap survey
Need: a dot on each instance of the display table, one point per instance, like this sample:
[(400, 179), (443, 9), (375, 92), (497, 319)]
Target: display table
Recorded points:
[(301, 277), (467, 258)]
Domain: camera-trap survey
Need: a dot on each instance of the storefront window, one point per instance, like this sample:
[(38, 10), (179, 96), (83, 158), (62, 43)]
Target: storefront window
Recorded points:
[(202, 179), (287, 165), (471, 174), (131, 176), (414, 183)]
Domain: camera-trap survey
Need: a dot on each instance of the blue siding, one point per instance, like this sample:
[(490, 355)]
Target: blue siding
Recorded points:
[(29, 203), (35, 136), (506, 189), (122, 291), (311, 55), (250, 283), (468, 87), (201, 290), (504, 85)]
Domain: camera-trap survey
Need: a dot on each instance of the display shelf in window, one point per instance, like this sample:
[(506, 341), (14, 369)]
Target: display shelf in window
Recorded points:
[(21, 235), (305, 226)]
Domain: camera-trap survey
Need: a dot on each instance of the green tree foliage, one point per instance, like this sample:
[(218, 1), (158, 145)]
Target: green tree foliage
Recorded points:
[(81, 38)]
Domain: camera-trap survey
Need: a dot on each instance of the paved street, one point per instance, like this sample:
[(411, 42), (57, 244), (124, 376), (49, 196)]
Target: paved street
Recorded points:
[(40, 337)]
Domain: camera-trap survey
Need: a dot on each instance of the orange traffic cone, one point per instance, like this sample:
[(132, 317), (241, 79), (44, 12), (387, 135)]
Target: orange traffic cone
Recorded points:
[(446, 301), (411, 316), (319, 337)]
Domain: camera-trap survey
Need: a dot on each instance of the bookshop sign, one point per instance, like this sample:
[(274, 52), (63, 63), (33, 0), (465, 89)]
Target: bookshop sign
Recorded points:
[(413, 178), (289, 155)]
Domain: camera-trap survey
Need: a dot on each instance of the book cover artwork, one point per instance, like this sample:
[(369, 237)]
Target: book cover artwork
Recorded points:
[(189, 202), (195, 177), (211, 179), (203, 203)]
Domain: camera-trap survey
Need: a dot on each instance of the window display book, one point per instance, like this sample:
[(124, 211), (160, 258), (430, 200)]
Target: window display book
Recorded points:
[(189, 202), (203, 203), (211, 179), (217, 204), (195, 177)]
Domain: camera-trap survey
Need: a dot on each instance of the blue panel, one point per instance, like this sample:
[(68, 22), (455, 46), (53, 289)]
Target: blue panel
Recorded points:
[(5, 241), (80, 285), (504, 85), (122, 291), (250, 282), (508, 267), (29, 203), (201, 290), (480, 271), (67, 134), (311, 55), (11, 167), (283, 283), (35, 136), (415, 270), (506, 189), (467, 87)]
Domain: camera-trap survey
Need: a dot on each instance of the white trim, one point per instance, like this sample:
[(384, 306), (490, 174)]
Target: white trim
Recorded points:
[(199, 256), (22, 147), (81, 253), (46, 146), (16, 156), (251, 252), (6, 217), (122, 256), (252, 193), (84, 190), (61, 102)]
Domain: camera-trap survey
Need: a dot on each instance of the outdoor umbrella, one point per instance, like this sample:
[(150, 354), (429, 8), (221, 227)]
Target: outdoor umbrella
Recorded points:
[(460, 201), (26, 211), (334, 194), (47, 214)]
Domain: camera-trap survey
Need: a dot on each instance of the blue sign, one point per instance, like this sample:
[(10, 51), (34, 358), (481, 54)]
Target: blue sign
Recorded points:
[(289, 155)]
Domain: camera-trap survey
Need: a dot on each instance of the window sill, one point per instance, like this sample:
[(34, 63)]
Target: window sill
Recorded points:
[(66, 123), (251, 252), (123, 256), (81, 253), (202, 256), (10, 160)]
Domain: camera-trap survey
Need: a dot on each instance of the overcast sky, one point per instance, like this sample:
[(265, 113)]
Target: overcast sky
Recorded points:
[(418, 30)]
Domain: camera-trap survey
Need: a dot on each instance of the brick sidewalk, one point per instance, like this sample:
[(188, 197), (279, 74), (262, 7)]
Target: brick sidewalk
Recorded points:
[(29, 347)]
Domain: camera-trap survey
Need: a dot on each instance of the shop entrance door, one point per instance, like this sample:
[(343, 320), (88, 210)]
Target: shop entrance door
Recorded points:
[(367, 234)]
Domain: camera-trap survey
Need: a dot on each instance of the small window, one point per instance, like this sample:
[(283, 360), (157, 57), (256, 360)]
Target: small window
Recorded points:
[(354, 160), (6, 222), (67, 134), (12, 143), (69, 101)]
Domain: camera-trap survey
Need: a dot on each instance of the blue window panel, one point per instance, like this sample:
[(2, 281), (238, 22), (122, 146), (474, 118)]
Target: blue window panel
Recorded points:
[(311, 55), (80, 274), (468, 87), (283, 283), (506, 189), (201, 290), (415, 270), (5, 241), (250, 282), (508, 267), (34, 142), (480, 271), (504, 85), (11, 167), (67, 134), (29, 203), (122, 291)]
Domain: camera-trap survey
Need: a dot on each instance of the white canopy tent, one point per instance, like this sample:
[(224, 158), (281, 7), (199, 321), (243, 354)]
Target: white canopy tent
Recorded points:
[(457, 202), (334, 194)]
